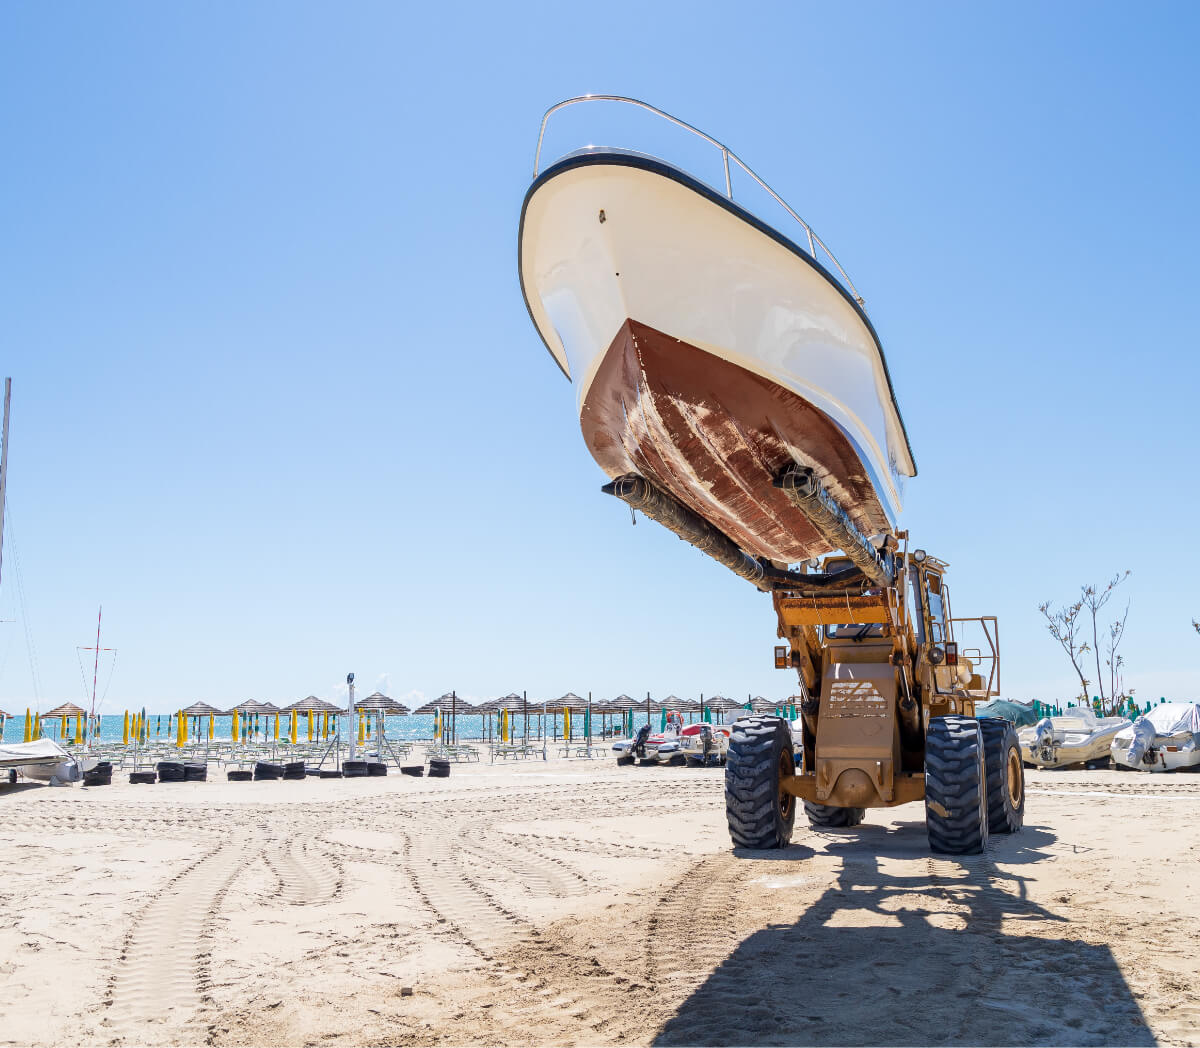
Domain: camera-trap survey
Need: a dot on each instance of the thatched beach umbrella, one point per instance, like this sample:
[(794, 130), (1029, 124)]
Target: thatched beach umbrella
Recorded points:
[(201, 709), (511, 702), (381, 703), (381, 706), (449, 703), (310, 705), (719, 704), (65, 711)]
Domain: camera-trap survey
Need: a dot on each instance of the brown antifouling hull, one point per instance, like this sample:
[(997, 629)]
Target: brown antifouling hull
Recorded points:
[(716, 436)]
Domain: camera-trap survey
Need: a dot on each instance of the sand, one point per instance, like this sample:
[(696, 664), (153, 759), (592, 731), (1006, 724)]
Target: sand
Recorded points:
[(581, 903)]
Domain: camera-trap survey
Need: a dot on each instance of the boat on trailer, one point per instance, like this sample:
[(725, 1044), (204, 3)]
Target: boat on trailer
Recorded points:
[(712, 354)]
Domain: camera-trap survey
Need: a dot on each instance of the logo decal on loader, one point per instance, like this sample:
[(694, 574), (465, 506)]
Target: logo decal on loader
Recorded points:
[(855, 698)]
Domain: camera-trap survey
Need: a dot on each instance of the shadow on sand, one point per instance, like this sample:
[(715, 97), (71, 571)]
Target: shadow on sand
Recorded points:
[(915, 958)]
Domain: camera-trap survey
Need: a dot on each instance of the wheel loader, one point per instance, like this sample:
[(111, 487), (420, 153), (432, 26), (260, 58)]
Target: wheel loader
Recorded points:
[(888, 689)]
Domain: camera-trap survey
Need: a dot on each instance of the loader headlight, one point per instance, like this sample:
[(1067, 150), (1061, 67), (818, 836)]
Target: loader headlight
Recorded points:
[(936, 656), (919, 555)]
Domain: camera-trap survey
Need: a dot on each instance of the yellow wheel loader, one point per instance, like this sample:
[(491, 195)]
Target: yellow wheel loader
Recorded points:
[(888, 689)]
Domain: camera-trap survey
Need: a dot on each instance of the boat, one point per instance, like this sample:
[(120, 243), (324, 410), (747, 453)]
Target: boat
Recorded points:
[(652, 747), (711, 352), (1166, 738), (705, 744), (1077, 737), (43, 760)]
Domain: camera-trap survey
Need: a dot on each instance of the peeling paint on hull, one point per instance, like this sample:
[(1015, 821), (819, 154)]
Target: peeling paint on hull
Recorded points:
[(715, 436)]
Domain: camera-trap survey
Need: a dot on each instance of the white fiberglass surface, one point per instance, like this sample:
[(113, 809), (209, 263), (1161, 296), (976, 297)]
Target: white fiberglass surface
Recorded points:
[(668, 258)]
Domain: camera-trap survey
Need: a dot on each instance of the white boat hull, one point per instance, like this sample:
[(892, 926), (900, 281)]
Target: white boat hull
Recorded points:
[(624, 257), (1071, 740)]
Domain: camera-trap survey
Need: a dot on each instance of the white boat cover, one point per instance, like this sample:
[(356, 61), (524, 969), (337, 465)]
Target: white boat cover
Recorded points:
[(1144, 735), (1167, 718), (44, 752)]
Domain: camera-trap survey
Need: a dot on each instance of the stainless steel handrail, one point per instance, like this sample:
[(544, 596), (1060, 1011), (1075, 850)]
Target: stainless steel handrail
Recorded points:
[(727, 155)]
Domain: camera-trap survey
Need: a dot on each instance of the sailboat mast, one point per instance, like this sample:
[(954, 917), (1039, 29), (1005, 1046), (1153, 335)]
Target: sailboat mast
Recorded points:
[(4, 463), (96, 666)]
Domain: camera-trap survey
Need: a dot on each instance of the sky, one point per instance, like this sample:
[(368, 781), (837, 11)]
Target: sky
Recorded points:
[(279, 408)]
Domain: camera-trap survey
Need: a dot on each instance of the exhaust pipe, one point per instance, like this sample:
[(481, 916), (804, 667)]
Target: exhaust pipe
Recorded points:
[(834, 524)]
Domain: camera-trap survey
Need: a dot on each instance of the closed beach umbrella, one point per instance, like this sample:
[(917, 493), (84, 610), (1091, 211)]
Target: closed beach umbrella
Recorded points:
[(277, 727), (180, 730), (28, 725), (233, 726), (211, 726), (310, 725), (292, 729), (566, 722)]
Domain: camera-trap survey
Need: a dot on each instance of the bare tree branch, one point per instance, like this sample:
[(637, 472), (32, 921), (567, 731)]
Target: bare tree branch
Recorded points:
[(1064, 628), (1094, 599)]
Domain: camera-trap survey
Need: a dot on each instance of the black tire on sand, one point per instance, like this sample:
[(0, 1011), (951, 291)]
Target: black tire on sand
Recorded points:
[(956, 814), (1005, 776), (828, 817), (759, 814)]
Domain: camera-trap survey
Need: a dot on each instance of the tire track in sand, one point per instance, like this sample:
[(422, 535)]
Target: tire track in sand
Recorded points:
[(306, 875), (159, 985), (683, 942), (438, 867)]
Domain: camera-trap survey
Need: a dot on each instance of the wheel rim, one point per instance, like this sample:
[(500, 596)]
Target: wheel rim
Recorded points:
[(786, 770), (1015, 787)]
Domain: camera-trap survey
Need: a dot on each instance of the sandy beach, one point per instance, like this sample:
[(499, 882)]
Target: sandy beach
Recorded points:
[(576, 903)]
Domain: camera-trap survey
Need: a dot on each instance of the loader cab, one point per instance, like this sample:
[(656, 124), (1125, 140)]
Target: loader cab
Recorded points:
[(861, 628)]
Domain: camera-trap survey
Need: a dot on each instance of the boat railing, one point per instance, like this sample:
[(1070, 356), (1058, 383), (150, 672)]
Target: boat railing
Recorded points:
[(728, 158)]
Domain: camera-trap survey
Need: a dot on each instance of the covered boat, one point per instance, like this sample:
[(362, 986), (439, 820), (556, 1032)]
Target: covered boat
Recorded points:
[(1077, 737), (1164, 739), (45, 761), (710, 351)]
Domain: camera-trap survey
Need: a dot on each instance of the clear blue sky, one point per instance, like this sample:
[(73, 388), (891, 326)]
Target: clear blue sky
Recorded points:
[(278, 405)]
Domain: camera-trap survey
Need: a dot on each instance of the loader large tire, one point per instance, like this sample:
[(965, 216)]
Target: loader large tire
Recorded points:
[(1005, 776), (827, 817), (956, 813), (759, 813)]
